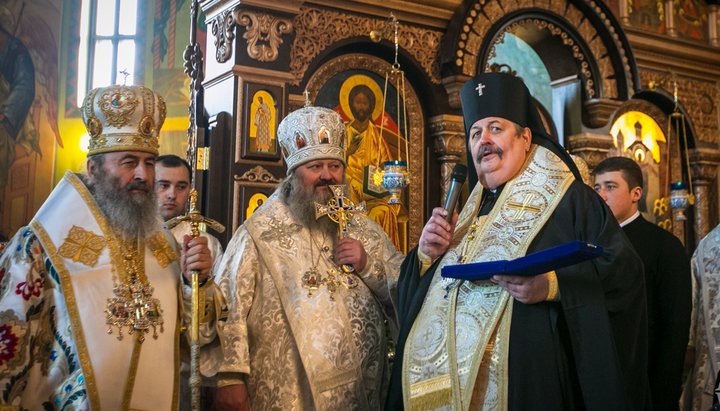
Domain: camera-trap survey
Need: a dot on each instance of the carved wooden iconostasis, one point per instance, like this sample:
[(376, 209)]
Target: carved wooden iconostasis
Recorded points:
[(602, 86), (331, 71)]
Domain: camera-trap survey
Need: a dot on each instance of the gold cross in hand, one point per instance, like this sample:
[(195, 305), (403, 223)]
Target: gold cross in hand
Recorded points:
[(339, 208)]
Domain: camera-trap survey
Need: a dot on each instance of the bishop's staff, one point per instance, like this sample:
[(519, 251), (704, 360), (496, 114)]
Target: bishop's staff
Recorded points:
[(193, 68)]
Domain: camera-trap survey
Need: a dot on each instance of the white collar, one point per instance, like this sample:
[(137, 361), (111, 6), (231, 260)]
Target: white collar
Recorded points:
[(630, 219)]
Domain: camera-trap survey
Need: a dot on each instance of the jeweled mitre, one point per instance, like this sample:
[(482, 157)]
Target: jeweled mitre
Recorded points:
[(123, 118), (311, 133)]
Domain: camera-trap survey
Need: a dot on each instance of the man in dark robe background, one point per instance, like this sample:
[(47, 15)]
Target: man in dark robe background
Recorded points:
[(619, 181)]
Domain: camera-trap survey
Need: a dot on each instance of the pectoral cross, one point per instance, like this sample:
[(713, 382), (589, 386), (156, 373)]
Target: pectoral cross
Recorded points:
[(341, 210), (139, 306), (524, 207)]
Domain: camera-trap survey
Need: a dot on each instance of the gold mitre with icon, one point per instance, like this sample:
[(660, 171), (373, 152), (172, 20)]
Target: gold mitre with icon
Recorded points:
[(311, 133), (123, 118)]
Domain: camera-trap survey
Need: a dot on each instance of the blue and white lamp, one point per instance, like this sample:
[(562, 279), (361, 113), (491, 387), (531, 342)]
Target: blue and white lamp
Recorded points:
[(395, 179), (680, 199)]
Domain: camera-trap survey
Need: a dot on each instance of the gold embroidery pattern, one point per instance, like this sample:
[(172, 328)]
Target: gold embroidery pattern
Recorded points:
[(118, 106), (164, 254), (69, 293), (379, 270), (432, 393), (82, 246), (281, 233), (133, 305), (476, 311)]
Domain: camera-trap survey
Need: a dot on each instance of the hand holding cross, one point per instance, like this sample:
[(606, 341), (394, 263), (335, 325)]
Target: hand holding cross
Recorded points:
[(341, 210)]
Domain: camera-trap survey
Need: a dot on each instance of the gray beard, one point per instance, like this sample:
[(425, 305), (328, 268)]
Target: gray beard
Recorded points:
[(301, 203), (131, 215)]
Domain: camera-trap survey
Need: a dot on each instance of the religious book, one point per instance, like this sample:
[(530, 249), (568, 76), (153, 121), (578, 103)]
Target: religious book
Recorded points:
[(531, 264)]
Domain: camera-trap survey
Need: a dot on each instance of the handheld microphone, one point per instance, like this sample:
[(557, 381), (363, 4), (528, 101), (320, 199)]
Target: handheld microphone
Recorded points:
[(457, 179)]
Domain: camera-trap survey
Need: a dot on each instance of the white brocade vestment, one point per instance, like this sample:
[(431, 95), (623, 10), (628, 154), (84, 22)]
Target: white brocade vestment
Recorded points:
[(705, 325), (55, 280), (301, 351)]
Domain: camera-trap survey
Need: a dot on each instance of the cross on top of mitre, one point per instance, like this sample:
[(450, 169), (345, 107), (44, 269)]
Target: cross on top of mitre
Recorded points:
[(306, 93)]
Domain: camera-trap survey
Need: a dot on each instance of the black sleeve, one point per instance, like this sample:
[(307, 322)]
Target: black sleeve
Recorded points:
[(603, 303)]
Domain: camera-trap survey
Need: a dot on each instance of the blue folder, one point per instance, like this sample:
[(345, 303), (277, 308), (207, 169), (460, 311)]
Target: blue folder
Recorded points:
[(535, 263)]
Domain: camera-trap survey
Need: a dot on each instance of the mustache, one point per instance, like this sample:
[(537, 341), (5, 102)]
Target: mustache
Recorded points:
[(325, 183), (489, 150), (138, 185)]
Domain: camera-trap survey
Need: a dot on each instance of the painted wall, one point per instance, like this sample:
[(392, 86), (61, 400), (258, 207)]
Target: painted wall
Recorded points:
[(29, 29), (54, 139)]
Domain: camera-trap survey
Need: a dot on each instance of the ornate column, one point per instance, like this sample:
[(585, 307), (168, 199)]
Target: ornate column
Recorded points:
[(704, 169), (448, 134), (670, 18), (593, 148), (623, 14), (713, 19), (599, 111), (452, 85)]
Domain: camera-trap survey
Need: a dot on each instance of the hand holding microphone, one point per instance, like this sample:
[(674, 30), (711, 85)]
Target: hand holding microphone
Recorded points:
[(457, 179), (437, 233)]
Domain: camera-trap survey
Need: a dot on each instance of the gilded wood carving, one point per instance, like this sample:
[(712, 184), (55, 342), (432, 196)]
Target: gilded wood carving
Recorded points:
[(319, 29)]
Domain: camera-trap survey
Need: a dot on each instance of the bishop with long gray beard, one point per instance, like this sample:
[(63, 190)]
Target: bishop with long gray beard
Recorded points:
[(89, 303)]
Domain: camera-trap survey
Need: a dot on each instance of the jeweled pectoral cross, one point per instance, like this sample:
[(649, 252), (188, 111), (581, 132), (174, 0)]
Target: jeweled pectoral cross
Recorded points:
[(524, 207), (139, 305), (134, 307), (341, 210), (146, 310)]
